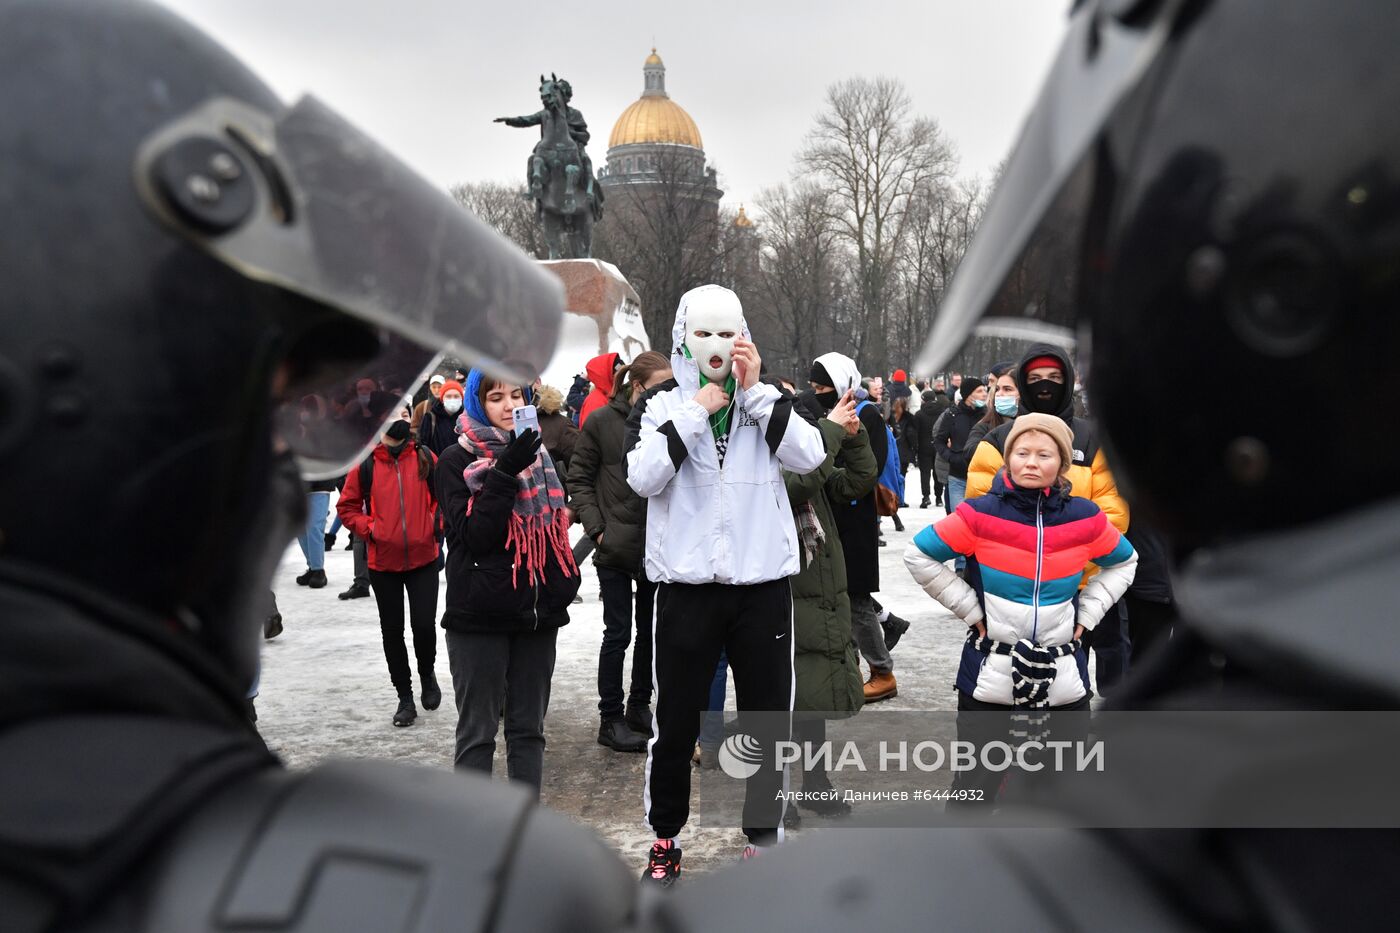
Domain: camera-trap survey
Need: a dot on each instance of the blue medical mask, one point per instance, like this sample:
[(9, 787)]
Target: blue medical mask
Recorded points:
[(979, 403), (1006, 405)]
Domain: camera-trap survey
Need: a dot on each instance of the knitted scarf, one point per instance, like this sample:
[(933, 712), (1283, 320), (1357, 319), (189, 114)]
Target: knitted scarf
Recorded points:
[(538, 524), (1032, 668), (809, 532), (719, 421), (1032, 672)]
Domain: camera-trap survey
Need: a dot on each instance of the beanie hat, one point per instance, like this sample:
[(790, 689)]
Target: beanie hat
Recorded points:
[(820, 376), (929, 396), (969, 385), (452, 385), (1040, 361), (1055, 428), (899, 376)]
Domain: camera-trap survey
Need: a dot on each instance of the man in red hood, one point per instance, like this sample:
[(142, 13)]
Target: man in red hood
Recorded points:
[(600, 370)]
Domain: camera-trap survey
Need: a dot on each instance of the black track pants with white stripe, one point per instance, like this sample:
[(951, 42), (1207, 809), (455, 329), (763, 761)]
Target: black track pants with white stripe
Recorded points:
[(693, 623)]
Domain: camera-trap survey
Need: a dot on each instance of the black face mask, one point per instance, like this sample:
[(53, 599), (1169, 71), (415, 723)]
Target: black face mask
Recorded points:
[(828, 400), (396, 434), (1045, 397)]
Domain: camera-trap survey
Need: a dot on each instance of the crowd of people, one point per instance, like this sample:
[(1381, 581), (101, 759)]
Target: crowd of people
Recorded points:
[(733, 516)]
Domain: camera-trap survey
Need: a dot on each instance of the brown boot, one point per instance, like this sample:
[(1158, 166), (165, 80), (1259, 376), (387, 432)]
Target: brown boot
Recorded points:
[(880, 686)]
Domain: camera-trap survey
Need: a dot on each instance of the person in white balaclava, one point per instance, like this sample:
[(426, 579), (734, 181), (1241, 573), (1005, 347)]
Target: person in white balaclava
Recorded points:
[(707, 449)]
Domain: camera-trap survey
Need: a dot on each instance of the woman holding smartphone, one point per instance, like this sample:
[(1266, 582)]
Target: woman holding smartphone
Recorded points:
[(510, 577)]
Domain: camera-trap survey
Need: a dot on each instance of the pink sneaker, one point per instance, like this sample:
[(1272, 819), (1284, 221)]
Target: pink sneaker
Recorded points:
[(664, 864)]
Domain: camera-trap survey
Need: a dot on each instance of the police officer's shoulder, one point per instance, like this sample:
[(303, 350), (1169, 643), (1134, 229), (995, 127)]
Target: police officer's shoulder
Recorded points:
[(380, 846)]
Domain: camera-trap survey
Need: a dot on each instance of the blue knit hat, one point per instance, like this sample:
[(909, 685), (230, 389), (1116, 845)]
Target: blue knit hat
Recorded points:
[(471, 400)]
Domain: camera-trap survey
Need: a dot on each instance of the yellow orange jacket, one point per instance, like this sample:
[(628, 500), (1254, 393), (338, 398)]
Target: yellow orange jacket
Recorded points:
[(1091, 481)]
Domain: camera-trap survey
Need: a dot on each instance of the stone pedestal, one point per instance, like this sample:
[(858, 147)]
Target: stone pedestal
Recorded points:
[(603, 316)]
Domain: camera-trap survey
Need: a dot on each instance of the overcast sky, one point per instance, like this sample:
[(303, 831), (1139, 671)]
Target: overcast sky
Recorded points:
[(426, 77)]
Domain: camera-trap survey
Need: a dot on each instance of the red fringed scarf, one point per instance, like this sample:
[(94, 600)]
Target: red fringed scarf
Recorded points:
[(538, 523)]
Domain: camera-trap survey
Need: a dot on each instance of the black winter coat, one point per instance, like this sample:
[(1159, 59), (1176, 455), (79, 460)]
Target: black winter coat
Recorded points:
[(438, 430), (904, 431), (1153, 580), (956, 429), (855, 521), (924, 420), (480, 594), (599, 493), (560, 438)]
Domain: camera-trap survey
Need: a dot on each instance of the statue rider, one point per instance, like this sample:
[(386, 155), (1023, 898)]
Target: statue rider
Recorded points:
[(578, 131)]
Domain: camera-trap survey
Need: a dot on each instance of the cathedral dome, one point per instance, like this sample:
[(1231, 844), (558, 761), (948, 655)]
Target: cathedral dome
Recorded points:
[(655, 118)]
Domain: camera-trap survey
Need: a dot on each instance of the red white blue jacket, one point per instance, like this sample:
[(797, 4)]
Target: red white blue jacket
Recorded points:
[(1032, 546)]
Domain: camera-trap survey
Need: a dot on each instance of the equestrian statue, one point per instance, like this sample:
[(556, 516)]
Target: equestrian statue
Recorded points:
[(568, 200)]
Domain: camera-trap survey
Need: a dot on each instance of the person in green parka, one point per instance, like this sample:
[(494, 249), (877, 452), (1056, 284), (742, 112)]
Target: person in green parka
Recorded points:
[(825, 663)]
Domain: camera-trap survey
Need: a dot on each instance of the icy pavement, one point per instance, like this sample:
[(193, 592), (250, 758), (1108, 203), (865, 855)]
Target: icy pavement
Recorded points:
[(326, 693)]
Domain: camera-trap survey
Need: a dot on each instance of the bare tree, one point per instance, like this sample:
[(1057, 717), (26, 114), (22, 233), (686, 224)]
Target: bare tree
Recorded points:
[(942, 218), (799, 304), (508, 208), (663, 231), (874, 155)]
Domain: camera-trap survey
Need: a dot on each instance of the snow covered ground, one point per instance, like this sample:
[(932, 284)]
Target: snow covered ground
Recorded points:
[(326, 694)]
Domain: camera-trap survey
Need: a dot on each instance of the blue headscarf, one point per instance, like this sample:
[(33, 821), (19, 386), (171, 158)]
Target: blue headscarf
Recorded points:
[(471, 404)]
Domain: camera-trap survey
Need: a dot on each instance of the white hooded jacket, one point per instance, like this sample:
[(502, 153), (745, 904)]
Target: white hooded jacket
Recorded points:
[(708, 523)]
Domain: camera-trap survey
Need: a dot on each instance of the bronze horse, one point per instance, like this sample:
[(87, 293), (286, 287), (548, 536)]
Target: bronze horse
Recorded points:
[(560, 177)]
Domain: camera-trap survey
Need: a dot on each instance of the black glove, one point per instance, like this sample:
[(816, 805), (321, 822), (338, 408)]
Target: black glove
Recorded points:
[(520, 453)]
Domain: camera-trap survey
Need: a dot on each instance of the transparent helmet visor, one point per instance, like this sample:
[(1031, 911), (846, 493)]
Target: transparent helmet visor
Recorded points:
[(337, 219), (1020, 277), (330, 422)]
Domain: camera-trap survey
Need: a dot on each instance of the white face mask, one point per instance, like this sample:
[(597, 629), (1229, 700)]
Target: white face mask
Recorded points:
[(713, 319), (453, 403)]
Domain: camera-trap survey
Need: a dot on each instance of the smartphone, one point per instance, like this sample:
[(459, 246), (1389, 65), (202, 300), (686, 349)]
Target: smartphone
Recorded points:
[(526, 417)]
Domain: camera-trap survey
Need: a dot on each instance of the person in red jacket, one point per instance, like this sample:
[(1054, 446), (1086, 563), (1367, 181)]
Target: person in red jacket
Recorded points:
[(601, 371), (396, 517)]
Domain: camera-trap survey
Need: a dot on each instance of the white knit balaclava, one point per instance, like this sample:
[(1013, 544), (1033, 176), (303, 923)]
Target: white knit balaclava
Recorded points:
[(714, 319)]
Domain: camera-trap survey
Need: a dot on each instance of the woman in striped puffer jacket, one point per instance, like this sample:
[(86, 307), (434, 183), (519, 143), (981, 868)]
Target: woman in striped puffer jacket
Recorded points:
[(1023, 655), (1033, 541)]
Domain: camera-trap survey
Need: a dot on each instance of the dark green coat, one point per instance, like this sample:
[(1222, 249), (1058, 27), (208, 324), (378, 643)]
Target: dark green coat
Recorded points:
[(828, 674), (598, 490)]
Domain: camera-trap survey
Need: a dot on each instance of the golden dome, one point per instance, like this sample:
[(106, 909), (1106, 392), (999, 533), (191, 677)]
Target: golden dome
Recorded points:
[(655, 120), (743, 219)]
